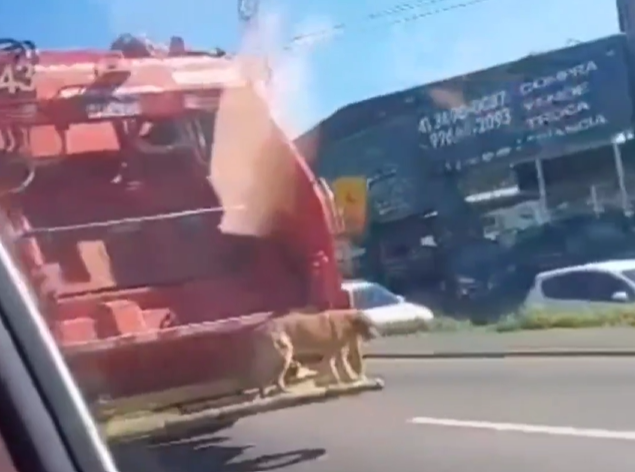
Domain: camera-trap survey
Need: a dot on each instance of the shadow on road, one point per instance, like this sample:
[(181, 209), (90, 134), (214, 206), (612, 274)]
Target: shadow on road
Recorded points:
[(205, 454), (275, 461)]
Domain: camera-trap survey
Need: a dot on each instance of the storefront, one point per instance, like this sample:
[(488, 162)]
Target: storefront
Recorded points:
[(552, 128)]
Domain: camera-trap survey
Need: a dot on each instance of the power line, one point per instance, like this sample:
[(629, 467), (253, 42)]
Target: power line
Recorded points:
[(337, 29), (369, 20), (399, 8)]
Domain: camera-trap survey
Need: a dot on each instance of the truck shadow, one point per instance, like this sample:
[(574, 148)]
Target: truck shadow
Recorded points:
[(205, 454)]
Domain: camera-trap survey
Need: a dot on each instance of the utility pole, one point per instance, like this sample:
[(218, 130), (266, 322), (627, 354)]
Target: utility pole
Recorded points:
[(247, 9), (248, 13), (626, 21), (626, 16)]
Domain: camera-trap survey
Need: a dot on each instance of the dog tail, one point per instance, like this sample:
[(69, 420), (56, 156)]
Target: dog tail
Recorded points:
[(366, 327)]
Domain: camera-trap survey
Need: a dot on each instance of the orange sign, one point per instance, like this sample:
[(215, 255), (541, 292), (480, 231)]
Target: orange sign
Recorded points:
[(351, 198)]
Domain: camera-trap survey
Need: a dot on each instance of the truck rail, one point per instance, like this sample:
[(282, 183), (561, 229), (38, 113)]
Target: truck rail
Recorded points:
[(34, 232)]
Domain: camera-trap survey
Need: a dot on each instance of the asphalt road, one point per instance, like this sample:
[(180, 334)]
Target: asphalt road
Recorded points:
[(518, 415), (480, 341)]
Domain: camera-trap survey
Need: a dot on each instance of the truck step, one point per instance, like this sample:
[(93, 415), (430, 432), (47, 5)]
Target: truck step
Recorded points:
[(173, 426)]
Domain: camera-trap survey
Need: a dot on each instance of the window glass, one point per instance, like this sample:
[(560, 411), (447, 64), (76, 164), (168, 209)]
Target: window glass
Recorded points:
[(374, 296), (563, 287), (602, 287), (590, 286)]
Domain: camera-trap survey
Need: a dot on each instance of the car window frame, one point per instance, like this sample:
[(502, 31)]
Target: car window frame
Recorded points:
[(48, 398), (24, 414), (581, 273), (629, 275)]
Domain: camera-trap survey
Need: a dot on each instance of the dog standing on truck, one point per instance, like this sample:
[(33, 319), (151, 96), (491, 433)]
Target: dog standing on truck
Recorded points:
[(332, 335), (272, 359)]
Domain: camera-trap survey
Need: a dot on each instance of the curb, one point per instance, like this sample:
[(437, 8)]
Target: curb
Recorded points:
[(536, 353)]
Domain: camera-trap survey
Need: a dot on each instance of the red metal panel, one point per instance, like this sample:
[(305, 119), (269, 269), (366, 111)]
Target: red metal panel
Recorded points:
[(126, 302), (68, 85), (163, 86)]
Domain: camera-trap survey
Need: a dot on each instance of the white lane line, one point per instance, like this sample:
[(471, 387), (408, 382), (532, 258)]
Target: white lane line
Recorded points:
[(527, 428)]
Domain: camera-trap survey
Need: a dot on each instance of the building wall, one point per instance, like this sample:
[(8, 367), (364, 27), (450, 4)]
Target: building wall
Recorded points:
[(388, 156)]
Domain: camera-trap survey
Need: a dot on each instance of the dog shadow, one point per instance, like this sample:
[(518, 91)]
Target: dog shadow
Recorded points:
[(205, 453)]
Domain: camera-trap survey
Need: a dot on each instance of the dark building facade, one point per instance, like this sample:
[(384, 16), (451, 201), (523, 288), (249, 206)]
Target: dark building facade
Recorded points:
[(425, 151)]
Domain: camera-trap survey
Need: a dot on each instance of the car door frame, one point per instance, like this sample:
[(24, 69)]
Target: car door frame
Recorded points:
[(39, 386)]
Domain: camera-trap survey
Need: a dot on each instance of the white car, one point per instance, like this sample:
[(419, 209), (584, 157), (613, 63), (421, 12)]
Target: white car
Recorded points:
[(381, 305), (593, 286)]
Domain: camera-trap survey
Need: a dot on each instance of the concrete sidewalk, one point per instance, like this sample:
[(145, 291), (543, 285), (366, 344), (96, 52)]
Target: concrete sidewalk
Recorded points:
[(560, 342)]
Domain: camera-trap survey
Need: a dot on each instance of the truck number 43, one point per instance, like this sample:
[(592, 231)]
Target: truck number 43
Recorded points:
[(16, 78)]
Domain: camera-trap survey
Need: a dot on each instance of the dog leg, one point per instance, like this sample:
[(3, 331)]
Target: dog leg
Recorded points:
[(282, 386), (287, 353), (356, 358), (332, 362), (342, 362), (328, 371)]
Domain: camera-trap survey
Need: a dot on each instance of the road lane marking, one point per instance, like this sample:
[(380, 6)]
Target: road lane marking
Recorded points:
[(527, 428)]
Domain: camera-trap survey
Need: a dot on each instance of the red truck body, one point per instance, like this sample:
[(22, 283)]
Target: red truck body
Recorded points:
[(151, 260)]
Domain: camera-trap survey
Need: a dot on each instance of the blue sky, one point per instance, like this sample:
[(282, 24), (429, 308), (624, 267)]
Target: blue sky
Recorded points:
[(369, 57)]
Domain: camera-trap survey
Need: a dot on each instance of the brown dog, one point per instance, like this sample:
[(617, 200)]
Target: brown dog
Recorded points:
[(272, 358), (331, 334)]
